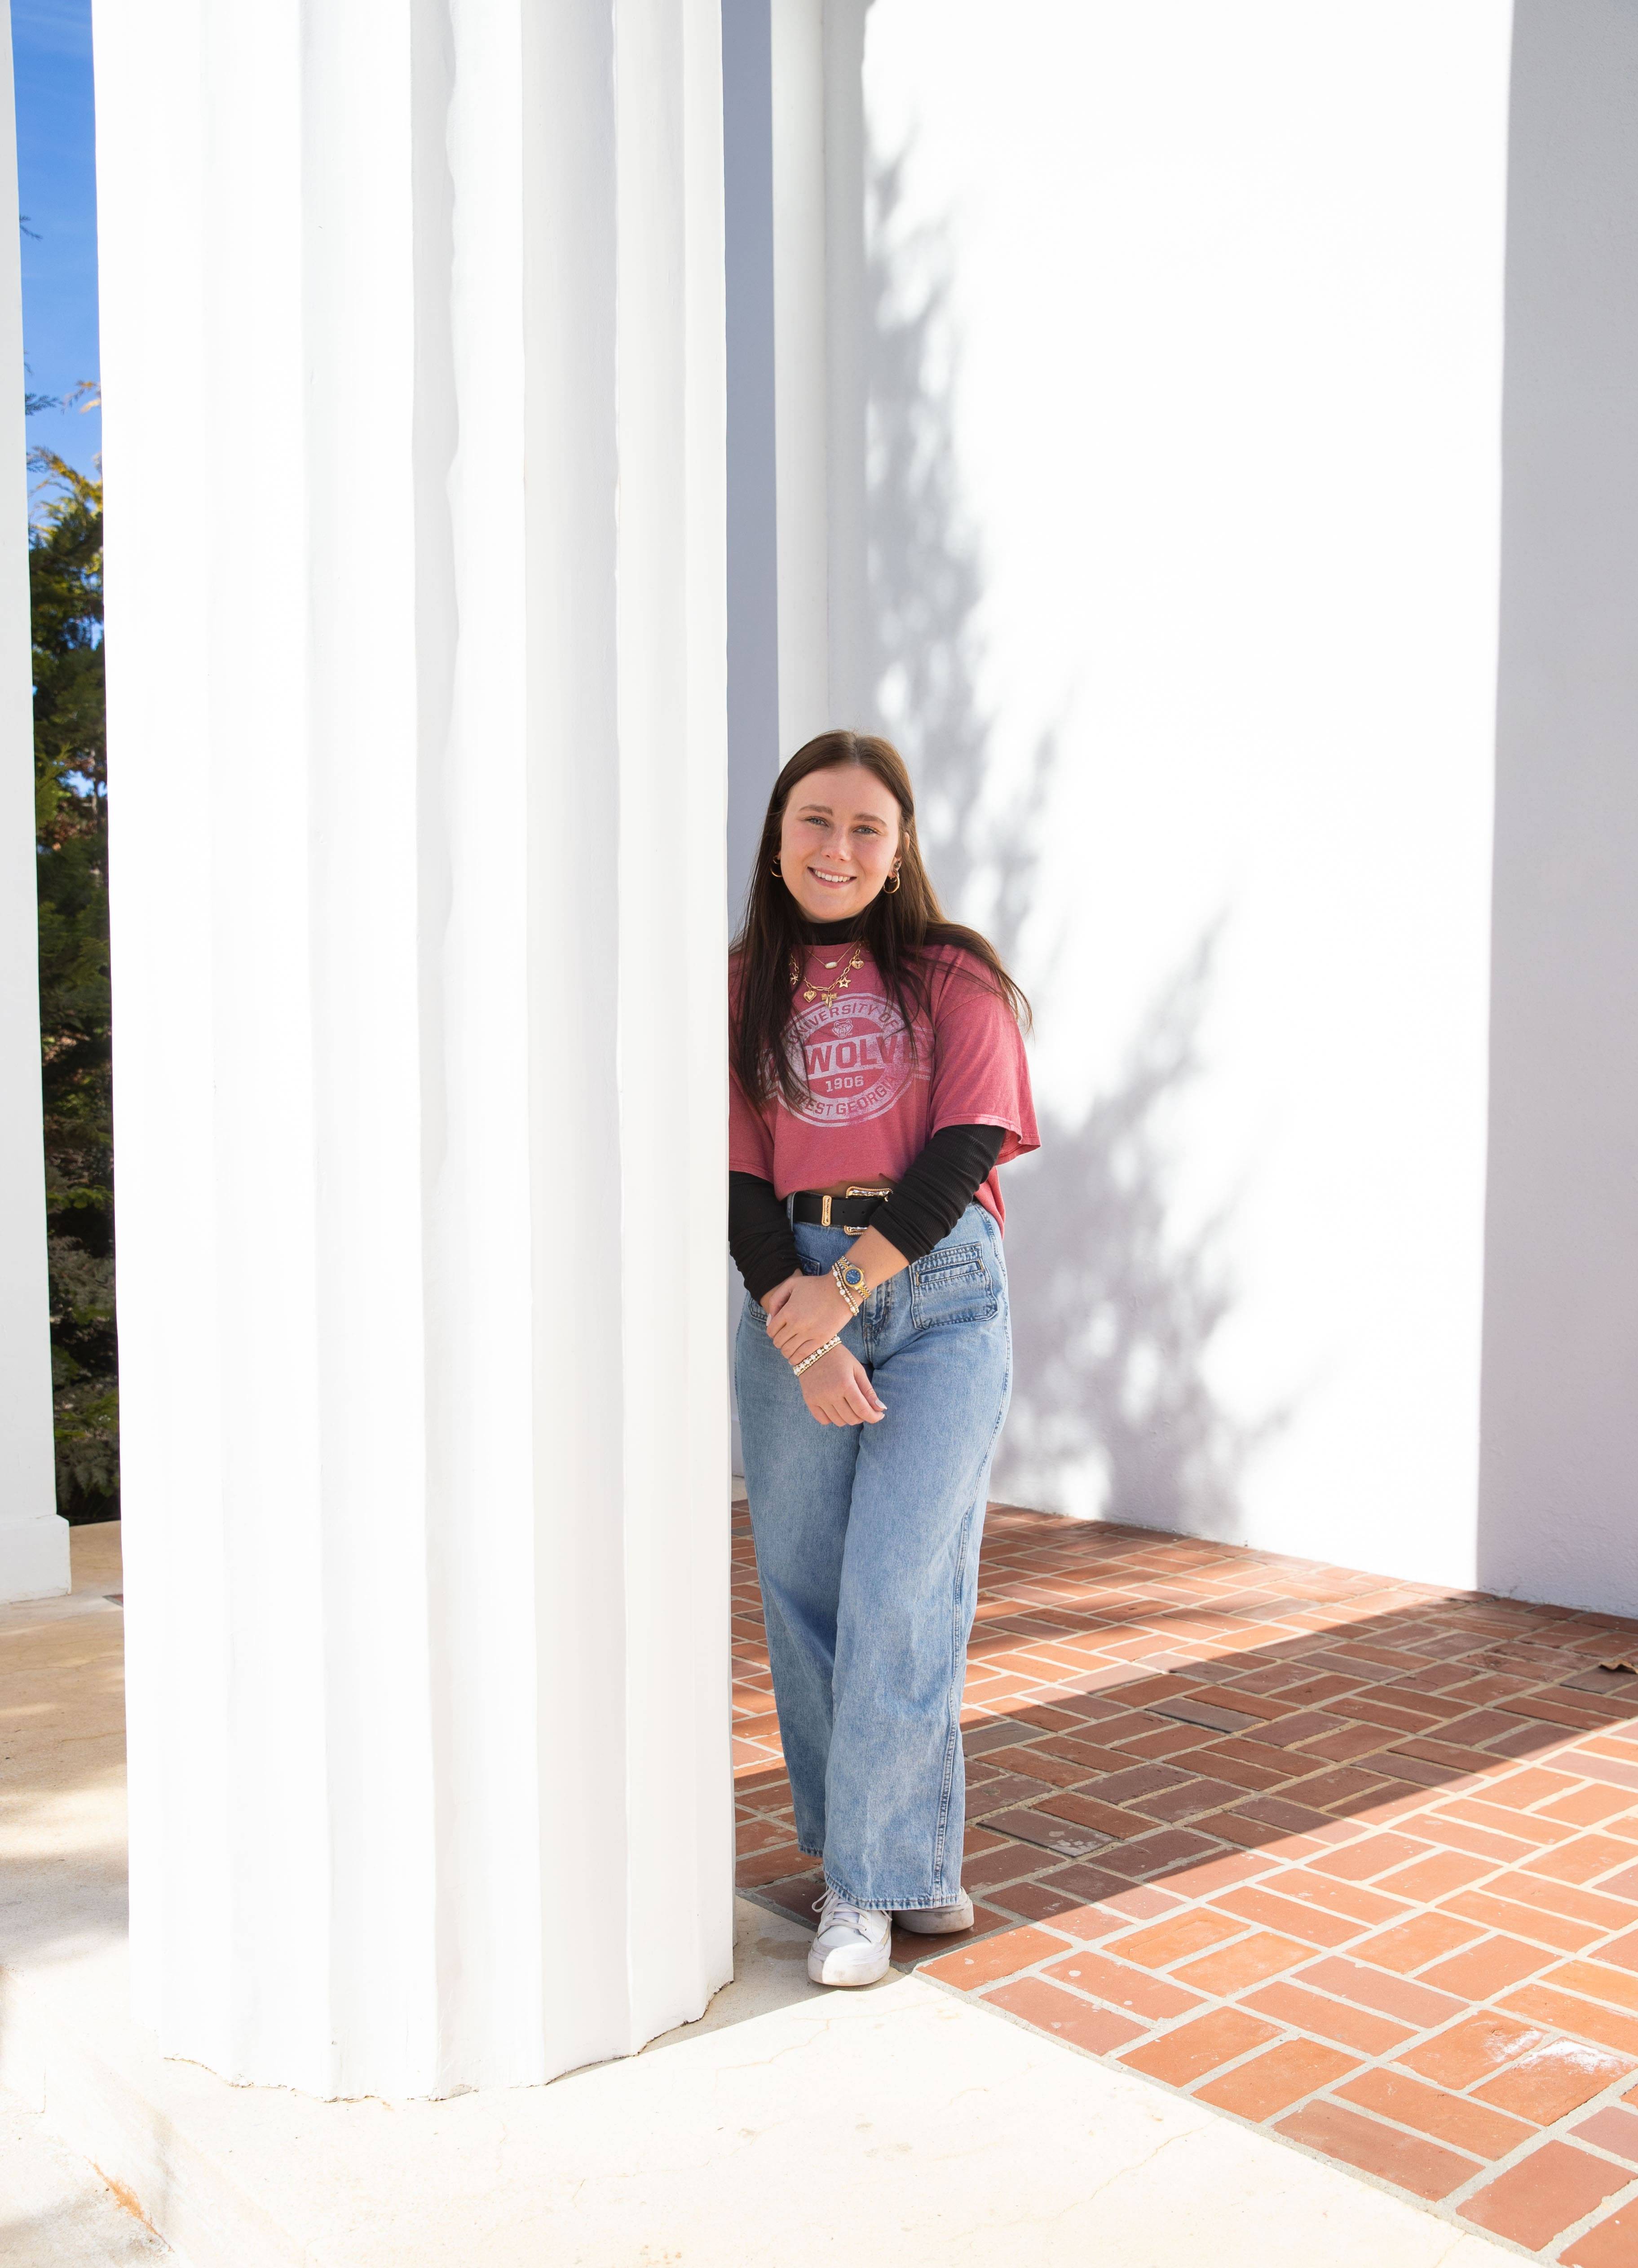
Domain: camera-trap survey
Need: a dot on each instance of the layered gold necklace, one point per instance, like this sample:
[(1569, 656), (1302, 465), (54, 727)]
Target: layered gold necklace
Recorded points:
[(826, 994)]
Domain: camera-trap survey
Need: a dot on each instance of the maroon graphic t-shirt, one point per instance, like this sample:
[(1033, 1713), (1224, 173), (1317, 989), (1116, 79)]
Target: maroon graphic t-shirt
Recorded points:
[(875, 1101)]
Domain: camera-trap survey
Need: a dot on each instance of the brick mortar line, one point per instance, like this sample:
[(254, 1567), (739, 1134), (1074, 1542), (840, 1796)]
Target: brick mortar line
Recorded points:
[(1290, 1791), (1434, 2209), (1479, 1884), (1553, 2248), (1490, 2169), (1005, 1711), (1359, 1949), (1496, 1769), (1616, 2201), (1487, 2170), (1409, 1699), (1494, 2170), (1216, 2003)]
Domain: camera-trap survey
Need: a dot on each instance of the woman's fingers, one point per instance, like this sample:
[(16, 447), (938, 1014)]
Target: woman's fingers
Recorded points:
[(837, 1392), (789, 1331), (865, 1405), (847, 1398)]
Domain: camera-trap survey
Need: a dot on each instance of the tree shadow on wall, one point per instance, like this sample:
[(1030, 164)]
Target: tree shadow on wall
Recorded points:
[(1114, 1309)]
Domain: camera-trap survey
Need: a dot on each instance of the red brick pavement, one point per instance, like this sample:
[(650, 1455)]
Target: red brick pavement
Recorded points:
[(1352, 1859)]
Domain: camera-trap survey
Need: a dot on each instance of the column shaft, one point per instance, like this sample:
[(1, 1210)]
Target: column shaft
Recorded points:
[(418, 915)]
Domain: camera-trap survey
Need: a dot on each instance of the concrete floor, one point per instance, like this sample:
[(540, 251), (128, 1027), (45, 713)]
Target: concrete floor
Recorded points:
[(910, 2124), (55, 2210)]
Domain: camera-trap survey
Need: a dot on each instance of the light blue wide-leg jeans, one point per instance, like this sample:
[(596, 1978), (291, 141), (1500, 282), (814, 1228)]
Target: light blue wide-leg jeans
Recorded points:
[(868, 1549)]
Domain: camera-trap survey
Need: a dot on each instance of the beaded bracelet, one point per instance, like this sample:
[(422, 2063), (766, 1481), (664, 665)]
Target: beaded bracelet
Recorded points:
[(797, 1368), (848, 1300)]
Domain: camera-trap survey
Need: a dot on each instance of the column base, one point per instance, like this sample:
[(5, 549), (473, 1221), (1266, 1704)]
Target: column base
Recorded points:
[(33, 1558)]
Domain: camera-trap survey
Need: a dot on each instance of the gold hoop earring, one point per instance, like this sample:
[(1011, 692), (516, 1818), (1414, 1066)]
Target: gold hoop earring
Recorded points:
[(893, 884), (776, 869)]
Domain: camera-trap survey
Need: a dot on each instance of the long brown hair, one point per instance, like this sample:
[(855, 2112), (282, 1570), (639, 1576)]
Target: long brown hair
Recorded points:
[(898, 926)]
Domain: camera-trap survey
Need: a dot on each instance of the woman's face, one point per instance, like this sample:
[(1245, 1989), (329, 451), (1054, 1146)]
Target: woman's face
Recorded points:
[(839, 841)]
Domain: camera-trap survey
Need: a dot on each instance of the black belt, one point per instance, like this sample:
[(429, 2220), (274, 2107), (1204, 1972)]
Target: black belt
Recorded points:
[(851, 1213)]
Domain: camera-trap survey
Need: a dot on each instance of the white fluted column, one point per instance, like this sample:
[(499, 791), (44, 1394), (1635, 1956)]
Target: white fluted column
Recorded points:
[(413, 355), (33, 1542)]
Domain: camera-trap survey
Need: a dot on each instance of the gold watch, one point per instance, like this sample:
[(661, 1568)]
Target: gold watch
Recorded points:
[(849, 1279)]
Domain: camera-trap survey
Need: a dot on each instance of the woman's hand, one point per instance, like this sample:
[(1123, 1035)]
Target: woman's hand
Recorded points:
[(838, 1392), (803, 1313)]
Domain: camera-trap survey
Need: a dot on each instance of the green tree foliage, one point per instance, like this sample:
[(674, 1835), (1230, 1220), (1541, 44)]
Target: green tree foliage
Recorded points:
[(71, 787)]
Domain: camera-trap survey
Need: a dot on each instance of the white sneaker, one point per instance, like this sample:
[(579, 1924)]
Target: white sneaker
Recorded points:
[(938, 1921), (853, 1943)]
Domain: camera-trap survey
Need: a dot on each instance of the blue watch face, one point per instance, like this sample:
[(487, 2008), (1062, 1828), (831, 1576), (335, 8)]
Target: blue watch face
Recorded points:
[(852, 1278)]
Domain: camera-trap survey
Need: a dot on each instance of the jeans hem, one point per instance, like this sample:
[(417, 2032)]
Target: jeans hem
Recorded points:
[(891, 1905)]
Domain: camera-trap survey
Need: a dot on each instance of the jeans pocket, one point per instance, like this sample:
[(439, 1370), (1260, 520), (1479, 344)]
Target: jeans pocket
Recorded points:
[(952, 1284), (754, 1315)]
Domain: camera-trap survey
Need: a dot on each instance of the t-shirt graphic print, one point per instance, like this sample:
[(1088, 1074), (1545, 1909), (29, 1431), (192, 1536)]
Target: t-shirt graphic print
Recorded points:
[(858, 1058), (874, 1101)]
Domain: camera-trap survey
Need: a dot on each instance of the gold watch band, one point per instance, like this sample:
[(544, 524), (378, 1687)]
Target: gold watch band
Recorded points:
[(849, 1279)]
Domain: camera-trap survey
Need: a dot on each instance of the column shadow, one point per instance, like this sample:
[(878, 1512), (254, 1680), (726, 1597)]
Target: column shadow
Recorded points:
[(1115, 1305), (1167, 1712)]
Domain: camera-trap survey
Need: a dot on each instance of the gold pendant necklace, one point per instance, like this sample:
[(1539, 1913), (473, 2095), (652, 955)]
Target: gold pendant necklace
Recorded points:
[(827, 996)]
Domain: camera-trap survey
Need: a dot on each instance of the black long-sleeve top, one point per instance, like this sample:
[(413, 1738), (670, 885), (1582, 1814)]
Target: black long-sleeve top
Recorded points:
[(928, 1200)]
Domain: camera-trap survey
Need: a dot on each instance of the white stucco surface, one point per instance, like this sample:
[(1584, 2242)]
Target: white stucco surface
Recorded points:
[(1181, 364), (1559, 1489), (418, 935)]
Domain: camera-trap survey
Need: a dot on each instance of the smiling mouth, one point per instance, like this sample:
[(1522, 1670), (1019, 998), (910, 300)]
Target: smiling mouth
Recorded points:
[(830, 881)]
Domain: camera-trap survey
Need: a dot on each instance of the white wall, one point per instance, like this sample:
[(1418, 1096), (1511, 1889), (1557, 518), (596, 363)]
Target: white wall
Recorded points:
[(33, 1542), (1559, 1485), (1167, 546)]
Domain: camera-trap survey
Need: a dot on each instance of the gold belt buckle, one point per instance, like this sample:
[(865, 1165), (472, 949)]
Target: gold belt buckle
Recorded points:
[(857, 1190)]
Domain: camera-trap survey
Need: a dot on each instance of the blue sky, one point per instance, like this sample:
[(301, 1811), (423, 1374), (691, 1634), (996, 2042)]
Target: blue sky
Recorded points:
[(57, 185)]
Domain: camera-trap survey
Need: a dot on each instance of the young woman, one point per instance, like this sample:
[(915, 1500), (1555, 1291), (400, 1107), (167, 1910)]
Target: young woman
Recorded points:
[(878, 1081)]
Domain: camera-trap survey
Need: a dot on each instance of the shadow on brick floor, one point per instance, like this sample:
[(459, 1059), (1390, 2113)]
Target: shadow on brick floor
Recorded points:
[(1351, 1858)]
